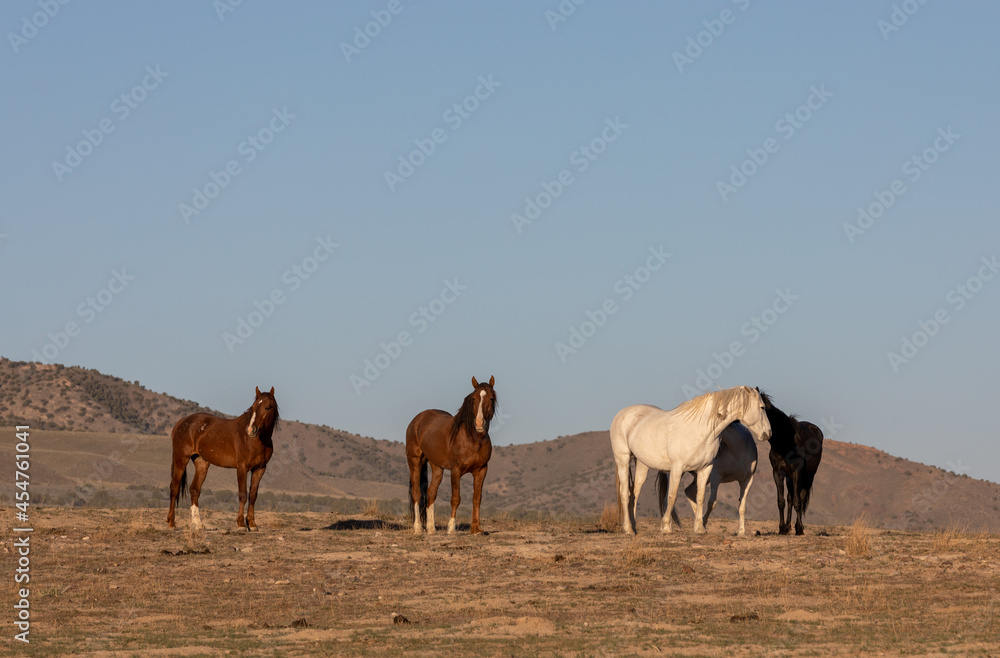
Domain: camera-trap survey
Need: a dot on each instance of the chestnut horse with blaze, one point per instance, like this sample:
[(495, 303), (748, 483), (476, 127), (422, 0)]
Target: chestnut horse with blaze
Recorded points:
[(242, 443), (460, 443)]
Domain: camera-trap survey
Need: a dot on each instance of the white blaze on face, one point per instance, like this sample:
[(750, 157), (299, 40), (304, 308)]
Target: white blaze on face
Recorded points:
[(480, 425), (250, 426)]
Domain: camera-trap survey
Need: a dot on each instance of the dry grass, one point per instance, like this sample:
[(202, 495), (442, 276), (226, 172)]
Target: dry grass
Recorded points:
[(859, 538), (526, 588), (610, 519), (945, 538), (371, 508)]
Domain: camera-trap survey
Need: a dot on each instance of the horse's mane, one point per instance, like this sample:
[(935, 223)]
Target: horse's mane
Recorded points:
[(713, 402), (465, 417)]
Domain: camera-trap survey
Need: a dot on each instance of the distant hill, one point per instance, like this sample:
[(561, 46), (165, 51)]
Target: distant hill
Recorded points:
[(101, 432)]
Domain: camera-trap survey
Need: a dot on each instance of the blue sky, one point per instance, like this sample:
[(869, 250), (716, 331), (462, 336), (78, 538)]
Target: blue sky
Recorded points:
[(620, 134)]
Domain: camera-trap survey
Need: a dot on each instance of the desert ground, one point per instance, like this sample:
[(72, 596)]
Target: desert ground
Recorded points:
[(108, 582)]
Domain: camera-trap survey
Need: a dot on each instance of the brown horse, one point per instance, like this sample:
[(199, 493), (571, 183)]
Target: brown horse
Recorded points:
[(460, 443), (242, 443)]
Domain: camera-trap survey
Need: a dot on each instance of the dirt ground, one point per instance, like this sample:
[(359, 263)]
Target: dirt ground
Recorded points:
[(117, 582)]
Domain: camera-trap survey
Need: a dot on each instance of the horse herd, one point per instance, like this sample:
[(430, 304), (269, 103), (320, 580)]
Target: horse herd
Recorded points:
[(712, 436)]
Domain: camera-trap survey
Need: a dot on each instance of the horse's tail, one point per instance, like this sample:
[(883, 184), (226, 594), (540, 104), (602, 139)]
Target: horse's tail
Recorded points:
[(182, 492), (423, 492), (423, 496), (662, 483)]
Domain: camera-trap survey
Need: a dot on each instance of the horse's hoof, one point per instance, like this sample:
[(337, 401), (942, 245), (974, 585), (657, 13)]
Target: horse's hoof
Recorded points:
[(417, 530), (700, 531), (431, 531)]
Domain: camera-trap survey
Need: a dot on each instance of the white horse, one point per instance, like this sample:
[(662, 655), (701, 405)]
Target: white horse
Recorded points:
[(736, 462), (683, 439)]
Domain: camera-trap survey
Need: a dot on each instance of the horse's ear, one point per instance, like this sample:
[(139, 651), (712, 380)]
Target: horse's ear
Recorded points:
[(491, 380), (272, 391), (258, 390), (475, 384)]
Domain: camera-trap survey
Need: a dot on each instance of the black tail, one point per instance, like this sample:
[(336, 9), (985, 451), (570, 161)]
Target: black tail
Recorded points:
[(182, 492), (662, 481), (423, 496)]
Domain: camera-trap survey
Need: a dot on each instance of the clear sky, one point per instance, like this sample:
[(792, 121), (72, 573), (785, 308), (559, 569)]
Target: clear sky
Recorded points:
[(598, 204)]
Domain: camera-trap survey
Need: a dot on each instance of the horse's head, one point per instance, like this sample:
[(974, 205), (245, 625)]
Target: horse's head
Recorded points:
[(484, 399), (264, 413), (754, 414)]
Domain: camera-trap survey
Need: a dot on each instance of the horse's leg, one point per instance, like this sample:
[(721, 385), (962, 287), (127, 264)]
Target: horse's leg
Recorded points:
[(176, 475), (200, 471), (699, 517), (456, 498), (675, 483), (691, 493), (241, 487), (713, 492), (254, 483), (477, 497), (641, 471), (432, 492), (779, 484), (797, 488), (790, 496), (744, 491), (623, 478)]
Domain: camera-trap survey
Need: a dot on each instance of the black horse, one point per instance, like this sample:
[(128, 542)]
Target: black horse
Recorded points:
[(796, 450)]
